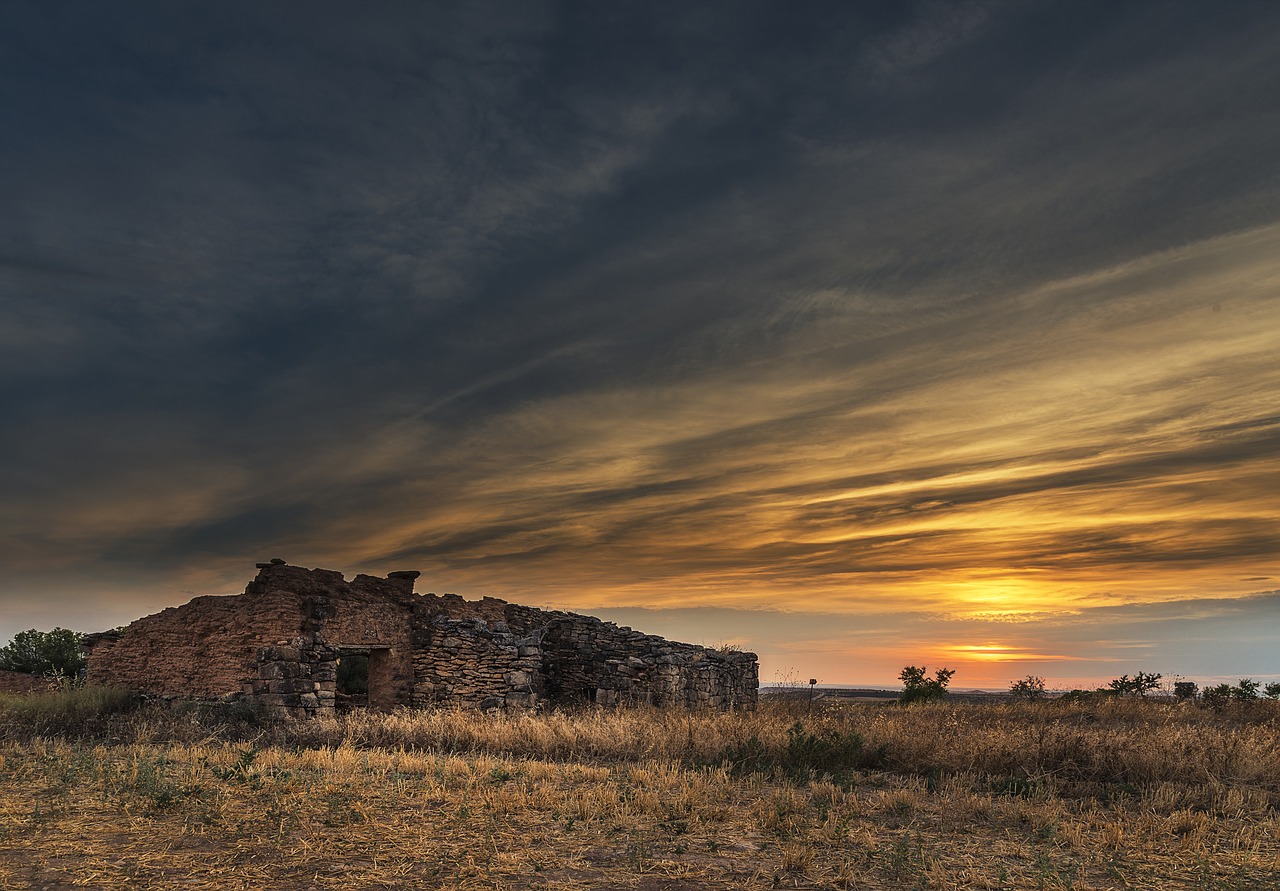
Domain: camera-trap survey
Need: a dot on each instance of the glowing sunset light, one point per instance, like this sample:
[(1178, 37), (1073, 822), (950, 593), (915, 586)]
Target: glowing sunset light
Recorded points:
[(993, 653)]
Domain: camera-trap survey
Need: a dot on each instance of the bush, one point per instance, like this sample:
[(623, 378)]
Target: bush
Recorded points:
[(55, 652), (1216, 697), (1139, 685), (918, 688), (1246, 690), (829, 750), (832, 751), (1030, 688)]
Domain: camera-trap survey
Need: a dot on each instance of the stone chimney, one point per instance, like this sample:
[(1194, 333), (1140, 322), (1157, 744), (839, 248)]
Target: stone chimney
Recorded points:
[(404, 579)]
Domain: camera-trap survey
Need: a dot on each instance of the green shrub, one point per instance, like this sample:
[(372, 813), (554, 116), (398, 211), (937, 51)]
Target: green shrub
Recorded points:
[(1246, 690), (1139, 685), (246, 713), (55, 652), (1030, 688), (827, 751), (1216, 697), (918, 688), (750, 755)]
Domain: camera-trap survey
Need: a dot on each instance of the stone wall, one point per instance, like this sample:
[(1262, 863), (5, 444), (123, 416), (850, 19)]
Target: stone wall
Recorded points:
[(588, 660), (280, 642), (468, 663), (20, 683), (297, 678), (205, 649), (374, 616)]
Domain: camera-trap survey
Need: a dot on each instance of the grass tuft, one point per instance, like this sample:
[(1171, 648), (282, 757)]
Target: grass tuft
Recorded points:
[(70, 712)]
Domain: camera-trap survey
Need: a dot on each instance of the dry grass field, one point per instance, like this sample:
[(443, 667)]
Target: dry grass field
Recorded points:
[(1107, 795)]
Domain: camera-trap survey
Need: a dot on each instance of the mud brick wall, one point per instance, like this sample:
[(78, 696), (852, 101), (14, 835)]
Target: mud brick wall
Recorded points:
[(205, 649), (209, 648), (588, 660), (468, 663), (17, 682)]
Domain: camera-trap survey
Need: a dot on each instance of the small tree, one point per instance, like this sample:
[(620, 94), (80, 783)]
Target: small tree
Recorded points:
[(1184, 691), (1139, 685), (1272, 691), (1246, 690), (1029, 688), (1216, 697), (55, 652), (919, 688)]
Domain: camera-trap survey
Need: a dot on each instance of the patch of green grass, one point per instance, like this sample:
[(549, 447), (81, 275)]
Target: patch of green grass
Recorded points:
[(830, 751), (72, 713)]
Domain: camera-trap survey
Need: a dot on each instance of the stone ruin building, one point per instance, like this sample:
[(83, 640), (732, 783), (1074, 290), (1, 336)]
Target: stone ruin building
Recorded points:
[(281, 643)]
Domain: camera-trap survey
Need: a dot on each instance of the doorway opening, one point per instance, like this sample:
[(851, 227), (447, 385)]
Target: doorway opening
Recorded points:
[(353, 674), (363, 678)]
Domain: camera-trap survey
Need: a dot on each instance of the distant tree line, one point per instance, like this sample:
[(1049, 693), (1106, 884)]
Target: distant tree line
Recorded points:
[(1144, 684), (918, 686)]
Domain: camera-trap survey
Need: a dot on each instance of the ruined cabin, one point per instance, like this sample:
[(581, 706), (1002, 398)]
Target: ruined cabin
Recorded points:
[(283, 643)]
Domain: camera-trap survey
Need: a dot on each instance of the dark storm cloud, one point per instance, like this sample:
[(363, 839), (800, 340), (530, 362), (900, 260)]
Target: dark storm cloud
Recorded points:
[(536, 293)]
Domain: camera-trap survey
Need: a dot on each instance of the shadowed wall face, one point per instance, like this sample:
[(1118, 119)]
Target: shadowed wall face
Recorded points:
[(205, 649), (412, 650)]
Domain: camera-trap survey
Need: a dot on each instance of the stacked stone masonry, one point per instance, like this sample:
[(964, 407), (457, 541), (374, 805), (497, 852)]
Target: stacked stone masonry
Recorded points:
[(281, 642)]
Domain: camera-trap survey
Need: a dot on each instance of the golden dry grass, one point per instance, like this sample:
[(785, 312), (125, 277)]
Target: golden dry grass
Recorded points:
[(1109, 796)]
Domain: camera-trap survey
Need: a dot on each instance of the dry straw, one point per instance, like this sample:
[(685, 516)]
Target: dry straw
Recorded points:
[(1107, 795)]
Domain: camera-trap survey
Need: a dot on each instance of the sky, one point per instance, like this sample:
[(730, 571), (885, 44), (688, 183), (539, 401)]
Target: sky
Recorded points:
[(856, 335)]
